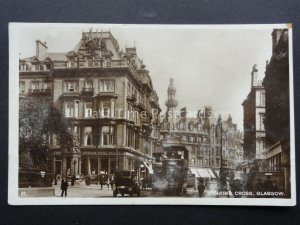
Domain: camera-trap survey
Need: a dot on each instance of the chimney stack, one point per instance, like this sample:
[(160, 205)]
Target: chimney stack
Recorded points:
[(254, 76), (40, 49)]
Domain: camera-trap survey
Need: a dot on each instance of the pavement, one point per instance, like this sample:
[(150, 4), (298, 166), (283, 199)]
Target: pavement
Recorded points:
[(94, 191)]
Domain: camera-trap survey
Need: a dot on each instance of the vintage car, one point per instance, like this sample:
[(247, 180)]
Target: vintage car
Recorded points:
[(126, 182)]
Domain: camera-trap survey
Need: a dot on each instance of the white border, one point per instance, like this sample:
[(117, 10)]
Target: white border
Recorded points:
[(14, 199)]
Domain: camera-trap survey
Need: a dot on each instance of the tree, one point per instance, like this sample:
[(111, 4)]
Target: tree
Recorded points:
[(39, 120)]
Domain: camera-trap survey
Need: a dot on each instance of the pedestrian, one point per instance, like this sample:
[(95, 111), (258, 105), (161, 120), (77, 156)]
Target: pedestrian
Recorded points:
[(201, 187), (101, 181), (274, 186), (111, 182), (259, 186), (107, 183), (73, 180), (268, 184), (64, 187)]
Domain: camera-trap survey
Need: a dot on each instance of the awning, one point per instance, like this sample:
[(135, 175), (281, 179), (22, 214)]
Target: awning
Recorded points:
[(203, 172), (211, 173), (194, 171)]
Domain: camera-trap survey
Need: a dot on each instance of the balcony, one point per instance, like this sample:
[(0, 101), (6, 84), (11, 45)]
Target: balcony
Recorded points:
[(40, 92), (71, 92), (87, 91)]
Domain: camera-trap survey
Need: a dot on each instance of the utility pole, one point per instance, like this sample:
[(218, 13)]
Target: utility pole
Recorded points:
[(221, 153)]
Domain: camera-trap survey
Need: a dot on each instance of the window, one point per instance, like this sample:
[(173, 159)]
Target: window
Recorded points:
[(107, 135), (71, 109), (193, 162), (88, 136), (107, 85), (129, 89), (46, 85), (75, 130), (88, 111), (199, 127), (181, 125), (183, 138), (35, 85), (90, 62), (218, 162), (200, 162), (263, 99), (22, 86), (191, 139), (205, 162), (262, 121), (107, 108), (88, 84), (108, 63), (71, 86)]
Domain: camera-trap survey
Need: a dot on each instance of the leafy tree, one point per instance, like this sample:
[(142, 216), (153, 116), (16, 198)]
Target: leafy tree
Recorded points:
[(38, 121)]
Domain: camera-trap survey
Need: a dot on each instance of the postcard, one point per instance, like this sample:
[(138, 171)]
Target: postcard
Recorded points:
[(116, 114)]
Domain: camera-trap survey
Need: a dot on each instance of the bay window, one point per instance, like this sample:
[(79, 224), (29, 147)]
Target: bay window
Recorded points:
[(107, 135), (71, 109)]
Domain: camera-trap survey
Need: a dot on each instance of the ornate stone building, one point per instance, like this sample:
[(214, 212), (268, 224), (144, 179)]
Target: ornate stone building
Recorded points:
[(199, 132), (277, 122), (106, 94)]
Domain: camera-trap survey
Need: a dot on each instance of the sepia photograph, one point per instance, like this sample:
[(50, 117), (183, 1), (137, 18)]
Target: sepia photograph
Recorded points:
[(105, 114)]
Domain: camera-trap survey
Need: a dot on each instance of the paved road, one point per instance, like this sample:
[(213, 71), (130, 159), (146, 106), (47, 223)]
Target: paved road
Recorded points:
[(95, 191)]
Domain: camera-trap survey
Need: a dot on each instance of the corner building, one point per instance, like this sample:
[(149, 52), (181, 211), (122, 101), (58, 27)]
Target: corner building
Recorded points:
[(107, 95)]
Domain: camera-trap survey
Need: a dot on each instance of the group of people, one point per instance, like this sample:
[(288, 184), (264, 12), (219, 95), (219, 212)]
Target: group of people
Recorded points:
[(266, 186)]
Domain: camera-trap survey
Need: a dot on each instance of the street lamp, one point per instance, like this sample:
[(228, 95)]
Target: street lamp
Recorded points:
[(222, 178), (74, 162)]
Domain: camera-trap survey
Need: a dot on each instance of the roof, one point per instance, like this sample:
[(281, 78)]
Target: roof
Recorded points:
[(55, 56)]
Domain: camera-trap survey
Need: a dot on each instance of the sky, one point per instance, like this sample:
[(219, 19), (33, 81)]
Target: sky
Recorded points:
[(209, 65)]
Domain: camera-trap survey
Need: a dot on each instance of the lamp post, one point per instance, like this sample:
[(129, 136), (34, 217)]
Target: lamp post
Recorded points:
[(222, 179)]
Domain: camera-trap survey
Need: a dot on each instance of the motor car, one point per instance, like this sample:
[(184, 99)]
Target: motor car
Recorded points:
[(126, 182)]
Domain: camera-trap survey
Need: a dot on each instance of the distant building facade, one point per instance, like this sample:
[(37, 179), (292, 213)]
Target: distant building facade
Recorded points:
[(254, 116), (198, 132), (108, 97)]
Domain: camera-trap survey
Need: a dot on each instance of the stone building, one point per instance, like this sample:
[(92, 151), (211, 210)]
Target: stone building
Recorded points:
[(107, 95), (198, 132), (277, 121), (254, 115)]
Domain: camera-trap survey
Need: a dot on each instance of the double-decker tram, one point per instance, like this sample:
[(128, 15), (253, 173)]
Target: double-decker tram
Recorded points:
[(172, 176)]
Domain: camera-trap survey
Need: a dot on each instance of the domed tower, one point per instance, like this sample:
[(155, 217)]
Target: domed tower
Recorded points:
[(171, 103)]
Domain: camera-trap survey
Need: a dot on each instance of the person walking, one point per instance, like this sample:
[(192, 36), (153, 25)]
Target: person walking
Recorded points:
[(64, 187), (201, 187)]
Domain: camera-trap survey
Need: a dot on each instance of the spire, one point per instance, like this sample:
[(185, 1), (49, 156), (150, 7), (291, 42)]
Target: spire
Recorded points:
[(171, 103), (229, 120), (219, 119)]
